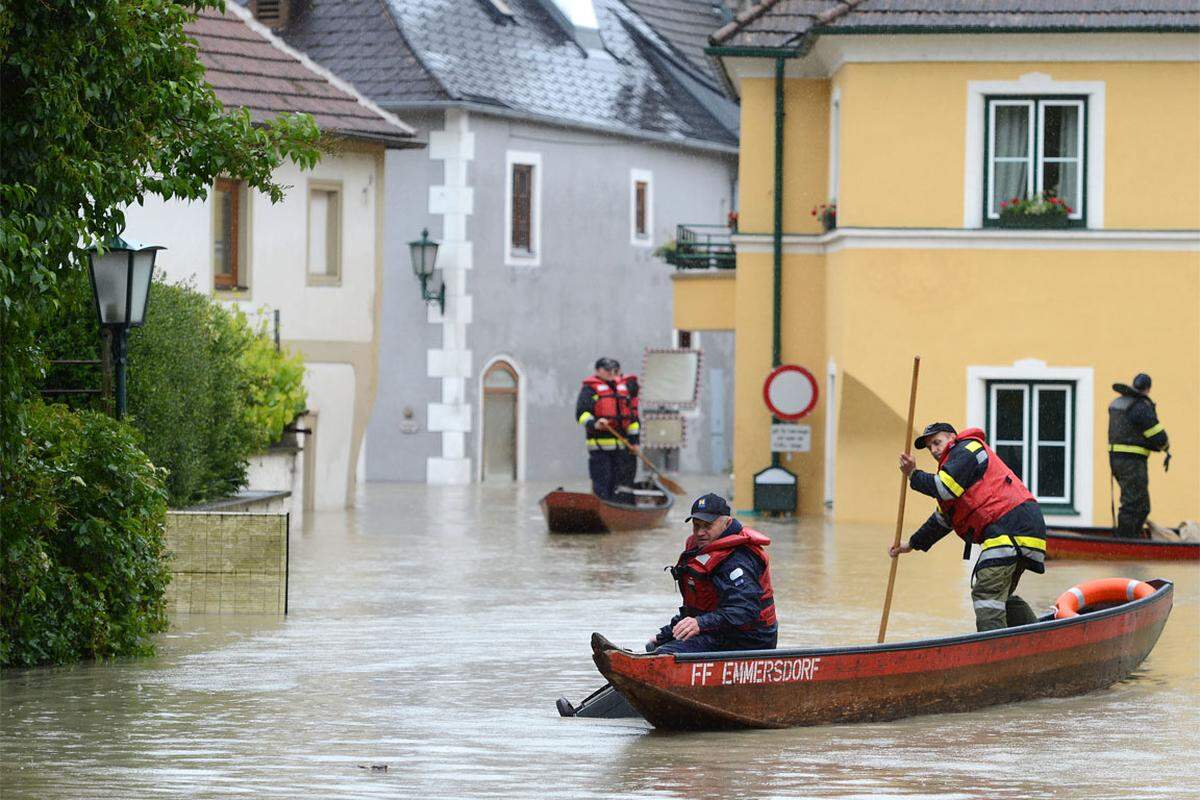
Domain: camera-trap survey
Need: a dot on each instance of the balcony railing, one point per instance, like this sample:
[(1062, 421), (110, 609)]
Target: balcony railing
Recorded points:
[(701, 247)]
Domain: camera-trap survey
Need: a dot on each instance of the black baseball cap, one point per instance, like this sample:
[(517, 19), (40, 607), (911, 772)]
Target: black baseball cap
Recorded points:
[(930, 430), (1141, 382), (709, 507)]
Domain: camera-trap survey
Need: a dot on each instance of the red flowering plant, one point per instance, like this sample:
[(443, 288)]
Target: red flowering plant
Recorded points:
[(827, 213), (1043, 204), (731, 219)]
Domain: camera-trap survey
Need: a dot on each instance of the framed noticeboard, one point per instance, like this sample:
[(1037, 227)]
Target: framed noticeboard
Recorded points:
[(670, 378), (663, 431)]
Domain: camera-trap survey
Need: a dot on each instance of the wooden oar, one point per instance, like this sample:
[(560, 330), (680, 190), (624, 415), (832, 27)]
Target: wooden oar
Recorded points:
[(670, 485), (908, 430)]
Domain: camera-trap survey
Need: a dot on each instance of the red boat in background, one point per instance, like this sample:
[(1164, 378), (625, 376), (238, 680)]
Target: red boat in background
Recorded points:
[(783, 688), (1100, 544), (584, 512)]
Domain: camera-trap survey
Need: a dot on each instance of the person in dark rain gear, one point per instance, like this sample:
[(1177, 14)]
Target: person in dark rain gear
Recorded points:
[(1134, 432), (724, 576), (985, 503), (605, 404)]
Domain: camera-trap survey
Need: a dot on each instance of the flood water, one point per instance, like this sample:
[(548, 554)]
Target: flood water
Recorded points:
[(432, 628)]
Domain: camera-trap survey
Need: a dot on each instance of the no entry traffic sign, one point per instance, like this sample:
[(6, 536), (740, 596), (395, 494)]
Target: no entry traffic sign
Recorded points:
[(790, 392)]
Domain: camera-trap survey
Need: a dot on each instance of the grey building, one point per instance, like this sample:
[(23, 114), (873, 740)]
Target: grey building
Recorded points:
[(567, 139)]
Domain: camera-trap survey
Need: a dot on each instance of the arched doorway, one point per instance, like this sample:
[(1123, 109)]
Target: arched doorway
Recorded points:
[(501, 388)]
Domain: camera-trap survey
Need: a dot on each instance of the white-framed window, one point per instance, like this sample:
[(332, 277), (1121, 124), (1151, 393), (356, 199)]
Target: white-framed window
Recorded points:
[(641, 207), (1031, 426), (523, 209), (324, 253), (1035, 145), (1034, 86)]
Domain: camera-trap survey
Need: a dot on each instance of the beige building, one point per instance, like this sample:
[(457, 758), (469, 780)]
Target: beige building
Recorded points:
[(316, 258)]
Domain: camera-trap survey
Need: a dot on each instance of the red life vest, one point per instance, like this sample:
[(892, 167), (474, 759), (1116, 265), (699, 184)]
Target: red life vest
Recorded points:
[(989, 498), (617, 405), (695, 568)]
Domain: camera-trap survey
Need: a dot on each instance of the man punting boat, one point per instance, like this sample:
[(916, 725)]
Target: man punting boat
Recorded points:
[(985, 503)]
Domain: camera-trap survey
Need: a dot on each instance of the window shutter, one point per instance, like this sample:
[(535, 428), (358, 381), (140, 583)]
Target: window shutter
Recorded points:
[(522, 207)]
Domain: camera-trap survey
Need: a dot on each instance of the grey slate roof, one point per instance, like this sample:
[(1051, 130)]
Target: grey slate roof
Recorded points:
[(248, 68), (406, 53), (686, 24), (782, 23)]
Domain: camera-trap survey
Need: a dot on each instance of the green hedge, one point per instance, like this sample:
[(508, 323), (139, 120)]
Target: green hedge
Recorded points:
[(206, 389), (84, 569)]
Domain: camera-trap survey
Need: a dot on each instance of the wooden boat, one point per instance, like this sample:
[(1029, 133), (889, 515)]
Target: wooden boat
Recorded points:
[(584, 512), (782, 688), (1079, 542)]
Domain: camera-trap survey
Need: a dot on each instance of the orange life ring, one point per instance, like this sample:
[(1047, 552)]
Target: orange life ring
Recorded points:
[(1104, 590)]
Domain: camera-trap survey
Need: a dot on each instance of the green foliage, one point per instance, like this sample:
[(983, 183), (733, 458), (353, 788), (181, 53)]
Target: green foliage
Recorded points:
[(104, 102), (207, 390), (274, 387), (84, 570)]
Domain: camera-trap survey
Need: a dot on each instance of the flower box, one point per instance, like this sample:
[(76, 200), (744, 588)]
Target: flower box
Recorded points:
[(1037, 221), (1042, 211)]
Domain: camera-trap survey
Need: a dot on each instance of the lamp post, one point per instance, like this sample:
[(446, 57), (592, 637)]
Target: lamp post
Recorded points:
[(121, 286), (424, 260)]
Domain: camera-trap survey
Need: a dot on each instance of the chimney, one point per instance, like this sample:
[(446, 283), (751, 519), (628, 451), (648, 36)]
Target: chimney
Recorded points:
[(578, 19), (272, 13)]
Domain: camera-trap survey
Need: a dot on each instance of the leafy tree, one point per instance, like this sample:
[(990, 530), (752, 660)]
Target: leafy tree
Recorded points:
[(104, 102), (85, 573)]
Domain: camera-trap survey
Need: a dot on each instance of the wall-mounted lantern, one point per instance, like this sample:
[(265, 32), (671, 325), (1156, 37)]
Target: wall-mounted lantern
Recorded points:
[(424, 264), (121, 278)]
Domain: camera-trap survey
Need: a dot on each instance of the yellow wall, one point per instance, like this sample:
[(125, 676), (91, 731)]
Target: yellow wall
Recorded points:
[(903, 134), (806, 154), (704, 300), (1067, 308)]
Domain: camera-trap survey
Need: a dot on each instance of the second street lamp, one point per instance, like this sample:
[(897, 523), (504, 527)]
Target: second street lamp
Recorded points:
[(424, 262), (121, 276)]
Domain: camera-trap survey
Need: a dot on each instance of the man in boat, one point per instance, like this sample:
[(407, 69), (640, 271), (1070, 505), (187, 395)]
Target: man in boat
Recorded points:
[(985, 503), (605, 405), (724, 575), (1133, 433)]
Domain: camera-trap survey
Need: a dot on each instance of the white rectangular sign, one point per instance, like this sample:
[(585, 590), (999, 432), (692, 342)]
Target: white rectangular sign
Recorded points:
[(787, 437)]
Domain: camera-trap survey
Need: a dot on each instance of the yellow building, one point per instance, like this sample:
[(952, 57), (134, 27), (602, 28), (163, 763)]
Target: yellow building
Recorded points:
[(917, 123)]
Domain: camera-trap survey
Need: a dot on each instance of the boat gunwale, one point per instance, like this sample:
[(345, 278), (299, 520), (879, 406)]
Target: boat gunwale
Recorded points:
[(1079, 536), (1163, 589)]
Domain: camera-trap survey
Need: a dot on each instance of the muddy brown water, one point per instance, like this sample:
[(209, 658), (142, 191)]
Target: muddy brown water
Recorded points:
[(431, 630)]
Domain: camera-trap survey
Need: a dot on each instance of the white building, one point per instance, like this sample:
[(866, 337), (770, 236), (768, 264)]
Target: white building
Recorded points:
[(316, 257)]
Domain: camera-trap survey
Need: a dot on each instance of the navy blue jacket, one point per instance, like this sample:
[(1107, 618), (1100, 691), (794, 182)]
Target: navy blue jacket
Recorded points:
[(738, 604)]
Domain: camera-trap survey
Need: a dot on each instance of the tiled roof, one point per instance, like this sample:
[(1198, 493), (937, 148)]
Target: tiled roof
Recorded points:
[(249, 68), (781, 23), (686, 24), (455, 51)]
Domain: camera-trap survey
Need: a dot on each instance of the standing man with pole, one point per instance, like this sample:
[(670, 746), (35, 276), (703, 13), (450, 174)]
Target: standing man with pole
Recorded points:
[(985, 503), (605, 406), (1133, 433)]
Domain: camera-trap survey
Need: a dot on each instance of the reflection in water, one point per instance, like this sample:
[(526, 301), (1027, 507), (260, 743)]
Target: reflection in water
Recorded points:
[(432, 629)]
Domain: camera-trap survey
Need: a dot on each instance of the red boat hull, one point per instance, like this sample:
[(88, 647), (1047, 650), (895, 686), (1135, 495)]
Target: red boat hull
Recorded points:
[(583, 512), (783, 688), (1099, 544)]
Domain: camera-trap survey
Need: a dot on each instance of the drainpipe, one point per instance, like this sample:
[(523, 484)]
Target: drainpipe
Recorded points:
[(777, 235)]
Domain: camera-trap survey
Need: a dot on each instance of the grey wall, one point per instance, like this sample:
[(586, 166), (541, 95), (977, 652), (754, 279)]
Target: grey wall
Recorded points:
[(593, 294)]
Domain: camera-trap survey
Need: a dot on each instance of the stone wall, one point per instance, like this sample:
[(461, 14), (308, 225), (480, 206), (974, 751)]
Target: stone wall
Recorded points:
[(227, 563)]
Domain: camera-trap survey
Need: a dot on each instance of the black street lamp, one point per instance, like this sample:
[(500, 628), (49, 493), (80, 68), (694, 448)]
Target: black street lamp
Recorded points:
[(121, 276), (424, 258)]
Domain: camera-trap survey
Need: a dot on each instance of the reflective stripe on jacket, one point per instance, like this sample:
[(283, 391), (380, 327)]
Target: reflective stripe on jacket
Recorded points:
[(999, 491), (1133, 426)]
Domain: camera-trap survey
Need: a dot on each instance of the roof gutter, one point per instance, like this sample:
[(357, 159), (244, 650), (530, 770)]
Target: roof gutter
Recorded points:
[(558, 122)]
